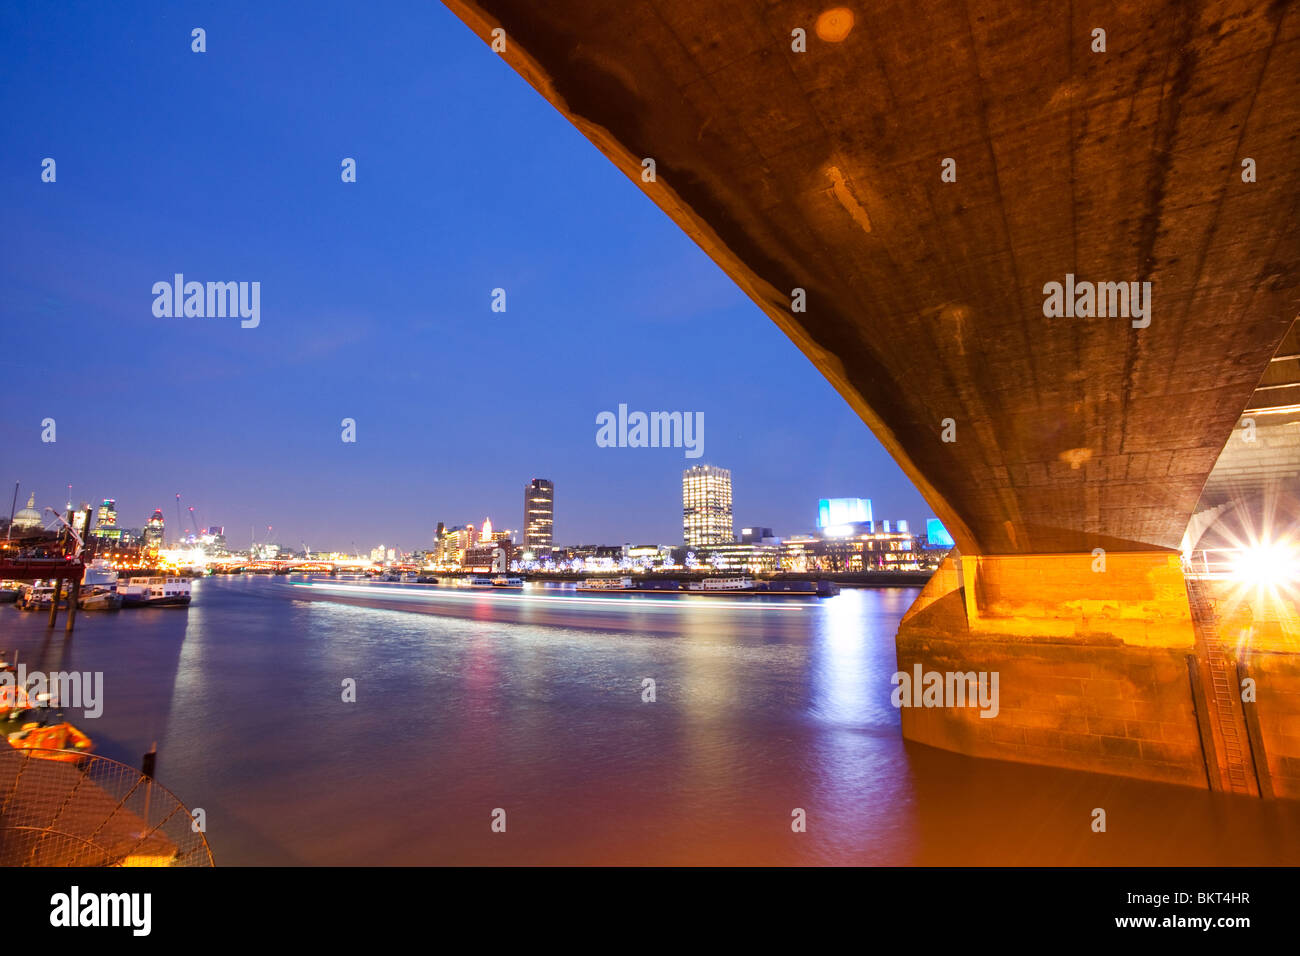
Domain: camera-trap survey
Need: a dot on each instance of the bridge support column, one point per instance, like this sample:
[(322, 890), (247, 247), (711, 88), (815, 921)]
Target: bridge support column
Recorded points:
[(74, 595), (54, 605), (1090, 653)]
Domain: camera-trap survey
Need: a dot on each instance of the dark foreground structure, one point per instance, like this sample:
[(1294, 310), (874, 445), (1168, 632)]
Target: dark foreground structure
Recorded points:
[(1049, 255)]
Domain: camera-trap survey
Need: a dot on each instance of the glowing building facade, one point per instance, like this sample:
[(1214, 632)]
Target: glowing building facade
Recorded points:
[(539, 514), (706, 506), (153, 532)]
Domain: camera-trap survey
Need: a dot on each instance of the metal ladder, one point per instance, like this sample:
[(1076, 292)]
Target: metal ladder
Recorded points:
[(1222, 691)]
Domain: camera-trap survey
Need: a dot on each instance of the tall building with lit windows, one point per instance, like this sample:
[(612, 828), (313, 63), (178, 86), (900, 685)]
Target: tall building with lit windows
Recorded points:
[(706, 506), (539, 514), (106, 522), (107, 516), (153, 531)]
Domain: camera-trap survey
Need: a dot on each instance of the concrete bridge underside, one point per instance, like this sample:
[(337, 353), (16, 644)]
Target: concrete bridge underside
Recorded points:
[(822, 170)]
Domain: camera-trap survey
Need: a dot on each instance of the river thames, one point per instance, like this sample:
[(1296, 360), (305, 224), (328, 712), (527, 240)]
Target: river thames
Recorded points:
[(532, 702)]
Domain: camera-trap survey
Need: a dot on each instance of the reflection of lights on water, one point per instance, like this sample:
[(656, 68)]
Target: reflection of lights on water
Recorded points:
[(657, 604), (841, 690)]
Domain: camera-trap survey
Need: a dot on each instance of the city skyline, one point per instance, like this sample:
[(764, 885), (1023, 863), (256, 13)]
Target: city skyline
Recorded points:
[(270, 534), (375, 296)]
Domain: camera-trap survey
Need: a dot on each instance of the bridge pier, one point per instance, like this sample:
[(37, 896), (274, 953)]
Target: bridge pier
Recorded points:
[(74, 595), (54, 605), (1092, 667)]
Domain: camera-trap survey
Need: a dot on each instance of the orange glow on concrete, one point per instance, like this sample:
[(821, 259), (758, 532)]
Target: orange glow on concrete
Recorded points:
[(834, 24)]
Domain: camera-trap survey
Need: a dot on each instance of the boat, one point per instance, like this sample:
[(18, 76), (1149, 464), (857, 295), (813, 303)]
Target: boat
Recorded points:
[(99, 588), (819, 588), (606, 584), (62, 742), (38, 597), (748, 586), (722, 584), (155, 592), (14, 700), (100, 599), (500, 581)]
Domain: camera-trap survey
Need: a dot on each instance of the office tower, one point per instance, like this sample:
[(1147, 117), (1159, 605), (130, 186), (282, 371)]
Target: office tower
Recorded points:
[(706, 506), (539, 514), (153, 532)]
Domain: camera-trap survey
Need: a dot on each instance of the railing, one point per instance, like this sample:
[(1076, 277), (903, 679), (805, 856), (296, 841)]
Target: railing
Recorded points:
[(1212, 563), (97, 812)]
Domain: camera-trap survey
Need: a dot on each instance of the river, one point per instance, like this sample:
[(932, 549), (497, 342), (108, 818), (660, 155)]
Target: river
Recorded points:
[(533, 703)]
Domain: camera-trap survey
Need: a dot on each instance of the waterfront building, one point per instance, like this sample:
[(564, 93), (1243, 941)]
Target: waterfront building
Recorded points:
[(864, 551), (647, 555), (539, 514), (494, 554), (936, 535), (844, 517), (592, 555), (452, 545), (706, 506), (740, 556), (842, 513), (214, 538)]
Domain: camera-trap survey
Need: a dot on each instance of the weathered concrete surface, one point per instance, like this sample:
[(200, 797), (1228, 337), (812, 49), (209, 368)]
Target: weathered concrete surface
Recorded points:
[(821, 170), (1086, 703), (1277, 704), (1091, 663)]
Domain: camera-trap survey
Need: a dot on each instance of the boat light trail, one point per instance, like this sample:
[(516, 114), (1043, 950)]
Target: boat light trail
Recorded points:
[(476, 593)]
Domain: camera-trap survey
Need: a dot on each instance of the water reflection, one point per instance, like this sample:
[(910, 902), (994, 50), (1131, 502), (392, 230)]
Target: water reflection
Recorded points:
[(470, 703)]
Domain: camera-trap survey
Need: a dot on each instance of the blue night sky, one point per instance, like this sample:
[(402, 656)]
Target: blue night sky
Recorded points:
[(375, 296)]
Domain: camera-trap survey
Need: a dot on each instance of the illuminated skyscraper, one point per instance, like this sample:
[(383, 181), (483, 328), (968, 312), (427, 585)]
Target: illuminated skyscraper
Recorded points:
[(153, 532), (106, 522), (706, 506), (539, 514)]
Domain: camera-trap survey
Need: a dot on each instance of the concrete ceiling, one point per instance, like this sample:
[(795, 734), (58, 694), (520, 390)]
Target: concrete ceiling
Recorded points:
[(821, 170)]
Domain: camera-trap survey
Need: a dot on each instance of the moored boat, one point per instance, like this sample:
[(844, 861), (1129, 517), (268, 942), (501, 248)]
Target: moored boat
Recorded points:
[(722, 584), (62, 742), (606, 584), (100, 599), (155, 592), (14, 700), (38, 597)]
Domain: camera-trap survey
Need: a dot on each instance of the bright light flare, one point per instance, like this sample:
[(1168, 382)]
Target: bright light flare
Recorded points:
[(1268, 564)]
